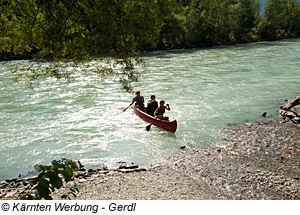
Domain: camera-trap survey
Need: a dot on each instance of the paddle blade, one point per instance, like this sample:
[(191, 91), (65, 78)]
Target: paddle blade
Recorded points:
[(148, 127)]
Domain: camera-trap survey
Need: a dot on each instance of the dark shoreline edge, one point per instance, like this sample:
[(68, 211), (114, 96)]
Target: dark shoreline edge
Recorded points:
[(29, 56), (211, 45)]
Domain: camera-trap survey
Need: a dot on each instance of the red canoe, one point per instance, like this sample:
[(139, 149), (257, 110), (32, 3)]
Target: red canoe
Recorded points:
[(170, 126)]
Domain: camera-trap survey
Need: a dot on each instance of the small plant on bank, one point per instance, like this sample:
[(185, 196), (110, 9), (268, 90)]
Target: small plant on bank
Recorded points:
[(51, 177)]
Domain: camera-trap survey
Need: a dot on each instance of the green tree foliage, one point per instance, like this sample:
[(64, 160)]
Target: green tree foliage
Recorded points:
[(221, 21), (173, 32), (293, 21), (50, 178), (77, 29), (275, 18), (201, 24), (244, 16), (112, 30), (282, 18)]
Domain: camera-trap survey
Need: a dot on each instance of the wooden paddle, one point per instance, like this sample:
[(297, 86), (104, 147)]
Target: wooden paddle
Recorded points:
[(127, 107), (149, 126)]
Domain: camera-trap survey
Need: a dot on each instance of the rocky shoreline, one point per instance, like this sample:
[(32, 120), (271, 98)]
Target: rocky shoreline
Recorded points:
[(123, 183), (258, 160), (291, 110)]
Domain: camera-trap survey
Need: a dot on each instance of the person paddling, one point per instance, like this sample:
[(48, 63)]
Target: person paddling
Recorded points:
[(159, 112), (139, 100), (152, 105)]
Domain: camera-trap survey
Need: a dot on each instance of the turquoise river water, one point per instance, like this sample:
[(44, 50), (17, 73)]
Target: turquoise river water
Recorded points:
[(207, 89)]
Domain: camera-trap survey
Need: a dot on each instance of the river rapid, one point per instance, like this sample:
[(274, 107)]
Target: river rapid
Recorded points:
[(207, 89)]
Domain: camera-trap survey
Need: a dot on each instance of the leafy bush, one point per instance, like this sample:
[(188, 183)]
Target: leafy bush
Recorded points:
[(51, 177)]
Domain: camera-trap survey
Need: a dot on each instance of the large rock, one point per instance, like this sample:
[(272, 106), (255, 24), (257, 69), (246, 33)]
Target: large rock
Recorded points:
[(296, 110), (291, 110), (295, 101)]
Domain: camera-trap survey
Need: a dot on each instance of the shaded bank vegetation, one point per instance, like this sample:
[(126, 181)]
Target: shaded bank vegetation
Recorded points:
[(199, 23), (115, 30)]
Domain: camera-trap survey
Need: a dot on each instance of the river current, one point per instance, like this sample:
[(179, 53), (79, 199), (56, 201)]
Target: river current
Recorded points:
[(207, 89)]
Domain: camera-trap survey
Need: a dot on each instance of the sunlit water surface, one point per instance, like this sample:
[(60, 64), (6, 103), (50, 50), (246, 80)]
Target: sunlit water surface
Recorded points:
[(207, 89)]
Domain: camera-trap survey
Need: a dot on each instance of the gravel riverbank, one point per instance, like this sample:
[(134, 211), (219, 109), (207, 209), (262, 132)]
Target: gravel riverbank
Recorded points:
[(258, 160), (162, 183)]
